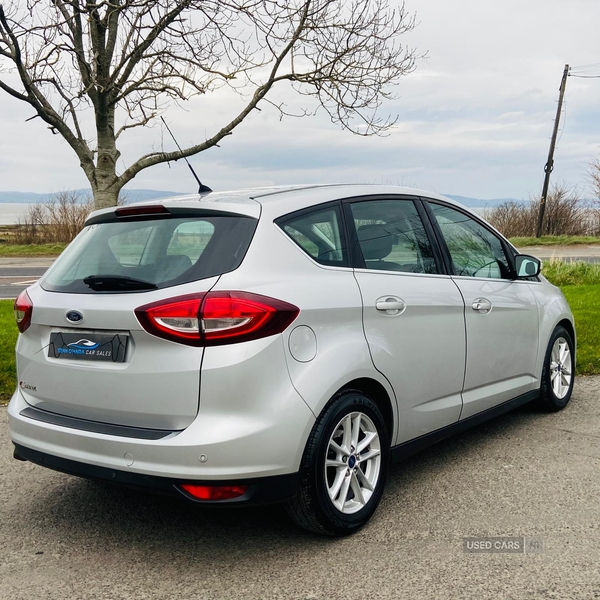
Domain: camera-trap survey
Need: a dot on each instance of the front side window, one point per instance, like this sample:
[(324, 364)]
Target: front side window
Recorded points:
[(392, 237), (318, 233), (475, 251)]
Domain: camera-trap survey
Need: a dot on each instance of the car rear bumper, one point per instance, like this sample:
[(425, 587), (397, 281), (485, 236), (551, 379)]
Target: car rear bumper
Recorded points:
[(215, 447), (261, 490)]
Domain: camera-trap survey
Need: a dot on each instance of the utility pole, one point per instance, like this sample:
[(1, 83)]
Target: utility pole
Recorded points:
[(549, 166)]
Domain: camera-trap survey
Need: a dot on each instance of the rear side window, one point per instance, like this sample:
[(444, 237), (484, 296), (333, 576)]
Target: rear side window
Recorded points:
[(319, 234), (160, 252), (392, 237)]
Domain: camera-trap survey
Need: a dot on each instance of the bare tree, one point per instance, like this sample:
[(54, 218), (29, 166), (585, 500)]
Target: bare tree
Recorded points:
[(594, 176), (57, 221), (594, 180), (566, 214), (125, 61)]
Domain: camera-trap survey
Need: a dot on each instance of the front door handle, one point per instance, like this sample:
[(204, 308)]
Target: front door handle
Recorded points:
[(390, 305), (482, 305)]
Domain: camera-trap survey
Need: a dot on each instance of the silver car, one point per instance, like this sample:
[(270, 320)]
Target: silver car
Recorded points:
[(280, 345)]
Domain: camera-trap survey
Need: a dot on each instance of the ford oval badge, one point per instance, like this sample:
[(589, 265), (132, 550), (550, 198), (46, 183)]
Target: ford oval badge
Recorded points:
[(74, 316)]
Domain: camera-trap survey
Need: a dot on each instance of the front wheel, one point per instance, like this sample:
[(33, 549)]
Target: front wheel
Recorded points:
[(343, 468), (559, 371)]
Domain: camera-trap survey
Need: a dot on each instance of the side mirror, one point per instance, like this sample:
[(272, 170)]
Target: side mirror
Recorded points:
[(527, 266)]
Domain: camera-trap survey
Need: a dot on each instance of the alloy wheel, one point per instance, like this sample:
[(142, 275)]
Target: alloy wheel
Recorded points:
[(561, 368), (353, 462)]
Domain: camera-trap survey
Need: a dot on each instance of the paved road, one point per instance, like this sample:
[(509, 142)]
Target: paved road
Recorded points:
[(14, 280), (525, 473), (584, 253), (18, 273)]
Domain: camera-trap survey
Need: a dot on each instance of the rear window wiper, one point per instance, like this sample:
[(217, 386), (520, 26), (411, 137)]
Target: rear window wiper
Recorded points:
[(114, 283)]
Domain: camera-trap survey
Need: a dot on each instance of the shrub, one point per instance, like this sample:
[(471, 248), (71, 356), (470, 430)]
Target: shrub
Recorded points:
[(57, 221), (567, 213)]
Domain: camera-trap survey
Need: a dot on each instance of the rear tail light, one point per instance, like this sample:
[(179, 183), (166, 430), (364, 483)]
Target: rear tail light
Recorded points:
[(23, 311), (216, 318), (177, 319), (214, 492)]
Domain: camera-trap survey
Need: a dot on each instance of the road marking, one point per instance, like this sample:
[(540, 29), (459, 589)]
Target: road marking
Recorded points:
[(29, 282)]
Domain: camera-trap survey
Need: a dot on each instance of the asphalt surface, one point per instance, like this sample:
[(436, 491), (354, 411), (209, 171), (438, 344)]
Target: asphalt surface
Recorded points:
[(583, 253), (18, 273), (524, 474)]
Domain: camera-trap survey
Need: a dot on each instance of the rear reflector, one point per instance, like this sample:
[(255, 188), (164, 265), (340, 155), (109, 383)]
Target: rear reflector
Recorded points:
[(23, 311), (216, 318), (214, 492)]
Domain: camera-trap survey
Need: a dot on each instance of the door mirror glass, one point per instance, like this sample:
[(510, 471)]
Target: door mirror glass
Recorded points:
[(527, 266)]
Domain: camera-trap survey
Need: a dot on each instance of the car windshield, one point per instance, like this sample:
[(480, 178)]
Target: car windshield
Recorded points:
[(126, 256)]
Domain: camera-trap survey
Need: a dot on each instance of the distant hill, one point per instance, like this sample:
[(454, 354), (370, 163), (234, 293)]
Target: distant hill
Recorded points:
[(478, 203), (132, 196), (141, 195)]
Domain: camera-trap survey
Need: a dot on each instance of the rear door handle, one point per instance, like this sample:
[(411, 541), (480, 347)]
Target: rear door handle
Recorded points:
[(390, 305), (482, 305)]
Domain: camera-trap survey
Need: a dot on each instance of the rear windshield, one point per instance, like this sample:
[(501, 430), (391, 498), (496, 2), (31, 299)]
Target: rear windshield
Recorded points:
[(150, 254)]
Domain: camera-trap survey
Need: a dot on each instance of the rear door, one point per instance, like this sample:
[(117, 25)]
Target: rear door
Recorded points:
[(86, 354), (412, 313), (501, 314)]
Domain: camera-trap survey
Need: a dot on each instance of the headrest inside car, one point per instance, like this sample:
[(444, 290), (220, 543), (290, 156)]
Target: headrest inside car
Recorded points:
[(376, 243)]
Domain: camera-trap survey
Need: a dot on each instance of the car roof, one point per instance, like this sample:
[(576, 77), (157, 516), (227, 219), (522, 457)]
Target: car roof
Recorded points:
[(280, 202), (276, 201)]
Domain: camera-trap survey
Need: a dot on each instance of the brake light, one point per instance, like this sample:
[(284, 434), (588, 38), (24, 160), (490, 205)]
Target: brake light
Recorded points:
[(216, 318), (229, 317), (215, 492), (23, 311), (135, 211)]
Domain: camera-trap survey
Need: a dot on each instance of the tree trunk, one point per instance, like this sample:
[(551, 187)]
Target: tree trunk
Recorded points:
[(106, 186), (105, 198)]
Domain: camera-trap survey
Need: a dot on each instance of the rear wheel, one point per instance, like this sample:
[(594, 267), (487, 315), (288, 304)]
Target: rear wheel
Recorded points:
[(344, 467), (559, 371)]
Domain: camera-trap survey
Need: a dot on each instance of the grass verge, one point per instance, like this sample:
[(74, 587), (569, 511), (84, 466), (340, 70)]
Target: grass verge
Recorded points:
[(580, 283), (31, 249), (571, 273), (584, 301), (555, 240), (8, 338)]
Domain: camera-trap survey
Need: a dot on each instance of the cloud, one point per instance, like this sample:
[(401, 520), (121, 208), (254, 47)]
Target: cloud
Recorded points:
[(474, 119)]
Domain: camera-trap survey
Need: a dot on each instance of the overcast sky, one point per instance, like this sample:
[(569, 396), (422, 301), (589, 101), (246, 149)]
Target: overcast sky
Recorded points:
[(475, 118)]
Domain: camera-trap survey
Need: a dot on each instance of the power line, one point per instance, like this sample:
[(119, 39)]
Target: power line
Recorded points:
[(583, 67)]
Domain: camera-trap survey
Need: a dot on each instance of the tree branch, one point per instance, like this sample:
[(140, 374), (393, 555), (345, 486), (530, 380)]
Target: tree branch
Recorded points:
[(134, 57), (37, 100), (155, 158)]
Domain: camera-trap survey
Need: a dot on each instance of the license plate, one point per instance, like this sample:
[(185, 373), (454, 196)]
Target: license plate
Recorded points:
[(88, 346)]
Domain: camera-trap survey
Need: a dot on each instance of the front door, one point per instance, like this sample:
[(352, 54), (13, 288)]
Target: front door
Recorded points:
[(501, 314), (413, 314)]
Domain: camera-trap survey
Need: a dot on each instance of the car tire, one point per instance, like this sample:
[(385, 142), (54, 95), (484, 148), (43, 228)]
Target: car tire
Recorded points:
[(558, 375), (344, 467)]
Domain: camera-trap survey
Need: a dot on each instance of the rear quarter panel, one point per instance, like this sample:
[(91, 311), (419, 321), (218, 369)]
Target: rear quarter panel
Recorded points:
[(330, 306)]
